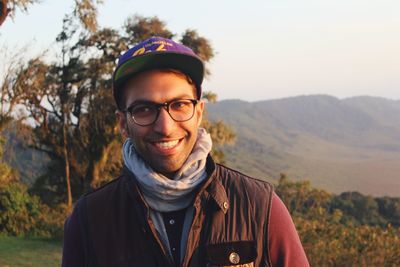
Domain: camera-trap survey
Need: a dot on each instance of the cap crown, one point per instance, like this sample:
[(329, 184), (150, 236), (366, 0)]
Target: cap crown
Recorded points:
[(158, 53)]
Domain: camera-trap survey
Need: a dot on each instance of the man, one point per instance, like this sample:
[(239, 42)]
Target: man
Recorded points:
[(173, 206)]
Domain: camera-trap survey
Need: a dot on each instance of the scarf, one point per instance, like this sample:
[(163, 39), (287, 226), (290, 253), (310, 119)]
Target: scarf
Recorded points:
[(161, 193)]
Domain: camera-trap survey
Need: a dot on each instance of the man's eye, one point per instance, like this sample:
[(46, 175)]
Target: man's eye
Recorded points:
[(180, 105), (141, 110)]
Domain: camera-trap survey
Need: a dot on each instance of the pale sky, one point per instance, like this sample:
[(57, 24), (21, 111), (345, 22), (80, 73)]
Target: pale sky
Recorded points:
[(265, 49)]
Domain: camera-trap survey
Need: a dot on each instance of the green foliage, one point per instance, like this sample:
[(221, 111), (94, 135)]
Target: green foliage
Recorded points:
[(6, 173), (358, 208), (19, 212), (389, 208), (355, 208), (140, 28), (51, 221), (300, 198), (209, 96), (85, 10), (77, 127), (331, 240), (200, 45), (23, 214), (221, 133), (329, 243)]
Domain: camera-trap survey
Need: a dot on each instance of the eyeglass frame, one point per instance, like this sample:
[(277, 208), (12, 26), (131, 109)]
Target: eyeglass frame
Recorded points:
[(158, 106)]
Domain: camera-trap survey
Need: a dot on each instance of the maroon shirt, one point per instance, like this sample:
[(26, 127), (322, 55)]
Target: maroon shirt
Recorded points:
[(284, 243)]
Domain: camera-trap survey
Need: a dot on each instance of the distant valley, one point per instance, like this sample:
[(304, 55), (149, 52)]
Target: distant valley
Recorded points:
[(339, 145)]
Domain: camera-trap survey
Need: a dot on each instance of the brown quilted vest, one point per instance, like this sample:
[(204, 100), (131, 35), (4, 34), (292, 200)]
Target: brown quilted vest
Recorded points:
[(230, 226)]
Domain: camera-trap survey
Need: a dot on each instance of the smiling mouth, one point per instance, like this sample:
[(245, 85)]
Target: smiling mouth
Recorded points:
[(167, 145)]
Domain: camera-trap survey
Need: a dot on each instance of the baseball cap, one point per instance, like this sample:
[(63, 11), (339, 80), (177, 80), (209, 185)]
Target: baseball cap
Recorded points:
[(157, 53)]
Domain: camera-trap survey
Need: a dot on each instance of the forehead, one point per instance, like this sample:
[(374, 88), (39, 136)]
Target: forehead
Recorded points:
[(158, 86)]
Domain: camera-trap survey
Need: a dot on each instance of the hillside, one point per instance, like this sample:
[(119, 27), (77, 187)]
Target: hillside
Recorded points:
[(340, 145)]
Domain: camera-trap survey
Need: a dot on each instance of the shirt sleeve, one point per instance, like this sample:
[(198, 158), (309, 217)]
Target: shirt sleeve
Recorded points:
[(73, 249), (284, 243)]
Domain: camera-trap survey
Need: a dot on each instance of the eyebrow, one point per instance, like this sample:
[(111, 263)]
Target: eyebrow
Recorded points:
[(146, 101)]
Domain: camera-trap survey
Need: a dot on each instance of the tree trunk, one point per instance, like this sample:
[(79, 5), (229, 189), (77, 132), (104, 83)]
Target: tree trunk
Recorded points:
[(98, 166), (67, 169)]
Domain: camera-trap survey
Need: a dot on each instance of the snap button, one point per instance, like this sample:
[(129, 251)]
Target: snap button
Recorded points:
[(172, 222), (226, 205), (234, 258)]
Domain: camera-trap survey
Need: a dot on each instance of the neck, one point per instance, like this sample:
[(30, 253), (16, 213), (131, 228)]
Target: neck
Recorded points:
[(169, 175)]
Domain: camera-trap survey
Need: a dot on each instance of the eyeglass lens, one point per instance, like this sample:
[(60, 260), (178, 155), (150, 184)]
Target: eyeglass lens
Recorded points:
[(147, 113)]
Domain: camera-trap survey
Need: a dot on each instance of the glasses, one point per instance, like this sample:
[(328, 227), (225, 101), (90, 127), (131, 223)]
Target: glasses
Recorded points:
[(146, 113)]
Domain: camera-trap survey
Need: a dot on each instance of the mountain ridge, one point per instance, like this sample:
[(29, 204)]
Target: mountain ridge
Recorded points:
[(338, 144)]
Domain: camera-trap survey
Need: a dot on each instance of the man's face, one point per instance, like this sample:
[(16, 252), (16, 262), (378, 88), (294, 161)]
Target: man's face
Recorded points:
[(166, 144)]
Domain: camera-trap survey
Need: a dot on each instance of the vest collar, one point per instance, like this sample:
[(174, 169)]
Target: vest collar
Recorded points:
[(212, 187)]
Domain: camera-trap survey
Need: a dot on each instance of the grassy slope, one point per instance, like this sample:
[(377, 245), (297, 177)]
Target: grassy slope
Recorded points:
[(338, 145), (17, 251)]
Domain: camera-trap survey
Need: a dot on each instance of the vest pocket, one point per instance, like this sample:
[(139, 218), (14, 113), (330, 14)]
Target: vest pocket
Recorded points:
[(239, 253)]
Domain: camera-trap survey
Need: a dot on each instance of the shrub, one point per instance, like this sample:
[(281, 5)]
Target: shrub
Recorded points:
[(23, 214), (18, 210)]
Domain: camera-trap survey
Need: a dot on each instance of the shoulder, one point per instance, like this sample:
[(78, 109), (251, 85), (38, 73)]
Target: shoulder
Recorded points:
[(231, 177), (239, 186), (110, 197), (109, 189)]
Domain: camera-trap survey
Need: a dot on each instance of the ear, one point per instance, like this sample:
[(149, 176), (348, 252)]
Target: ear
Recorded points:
[(123, 124), (199, 111)]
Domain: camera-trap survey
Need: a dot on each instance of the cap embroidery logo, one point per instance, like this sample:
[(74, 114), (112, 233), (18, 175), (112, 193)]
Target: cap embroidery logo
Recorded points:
[(139, 52), (161, 48), (148, 48)]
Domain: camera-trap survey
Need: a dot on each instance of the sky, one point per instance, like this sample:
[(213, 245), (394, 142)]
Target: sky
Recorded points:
[(265, 49)]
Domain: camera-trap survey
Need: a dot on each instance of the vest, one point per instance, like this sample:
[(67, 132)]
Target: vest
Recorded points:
[(230, 225)]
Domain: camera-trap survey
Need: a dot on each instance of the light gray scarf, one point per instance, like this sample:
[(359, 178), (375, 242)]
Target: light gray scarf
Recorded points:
[(161, 193)]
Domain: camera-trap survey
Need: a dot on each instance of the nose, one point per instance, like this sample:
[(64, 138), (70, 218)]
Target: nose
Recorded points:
[(164, 124)]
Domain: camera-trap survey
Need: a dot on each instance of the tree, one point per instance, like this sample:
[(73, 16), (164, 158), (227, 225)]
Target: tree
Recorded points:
[(18, 210), (85, 10), (221, 134), (140, 28), (301, 198), (73, 123), (389, 208), (200, 45), (328, 239), (358, 208), (6, 173), (8, 101), (71, 104)]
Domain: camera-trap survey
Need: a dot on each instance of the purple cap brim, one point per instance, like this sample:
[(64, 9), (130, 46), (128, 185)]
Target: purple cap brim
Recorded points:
[(191, 66)]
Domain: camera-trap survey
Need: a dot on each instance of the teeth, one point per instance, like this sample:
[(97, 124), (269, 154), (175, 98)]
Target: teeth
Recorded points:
[(167, 145)]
